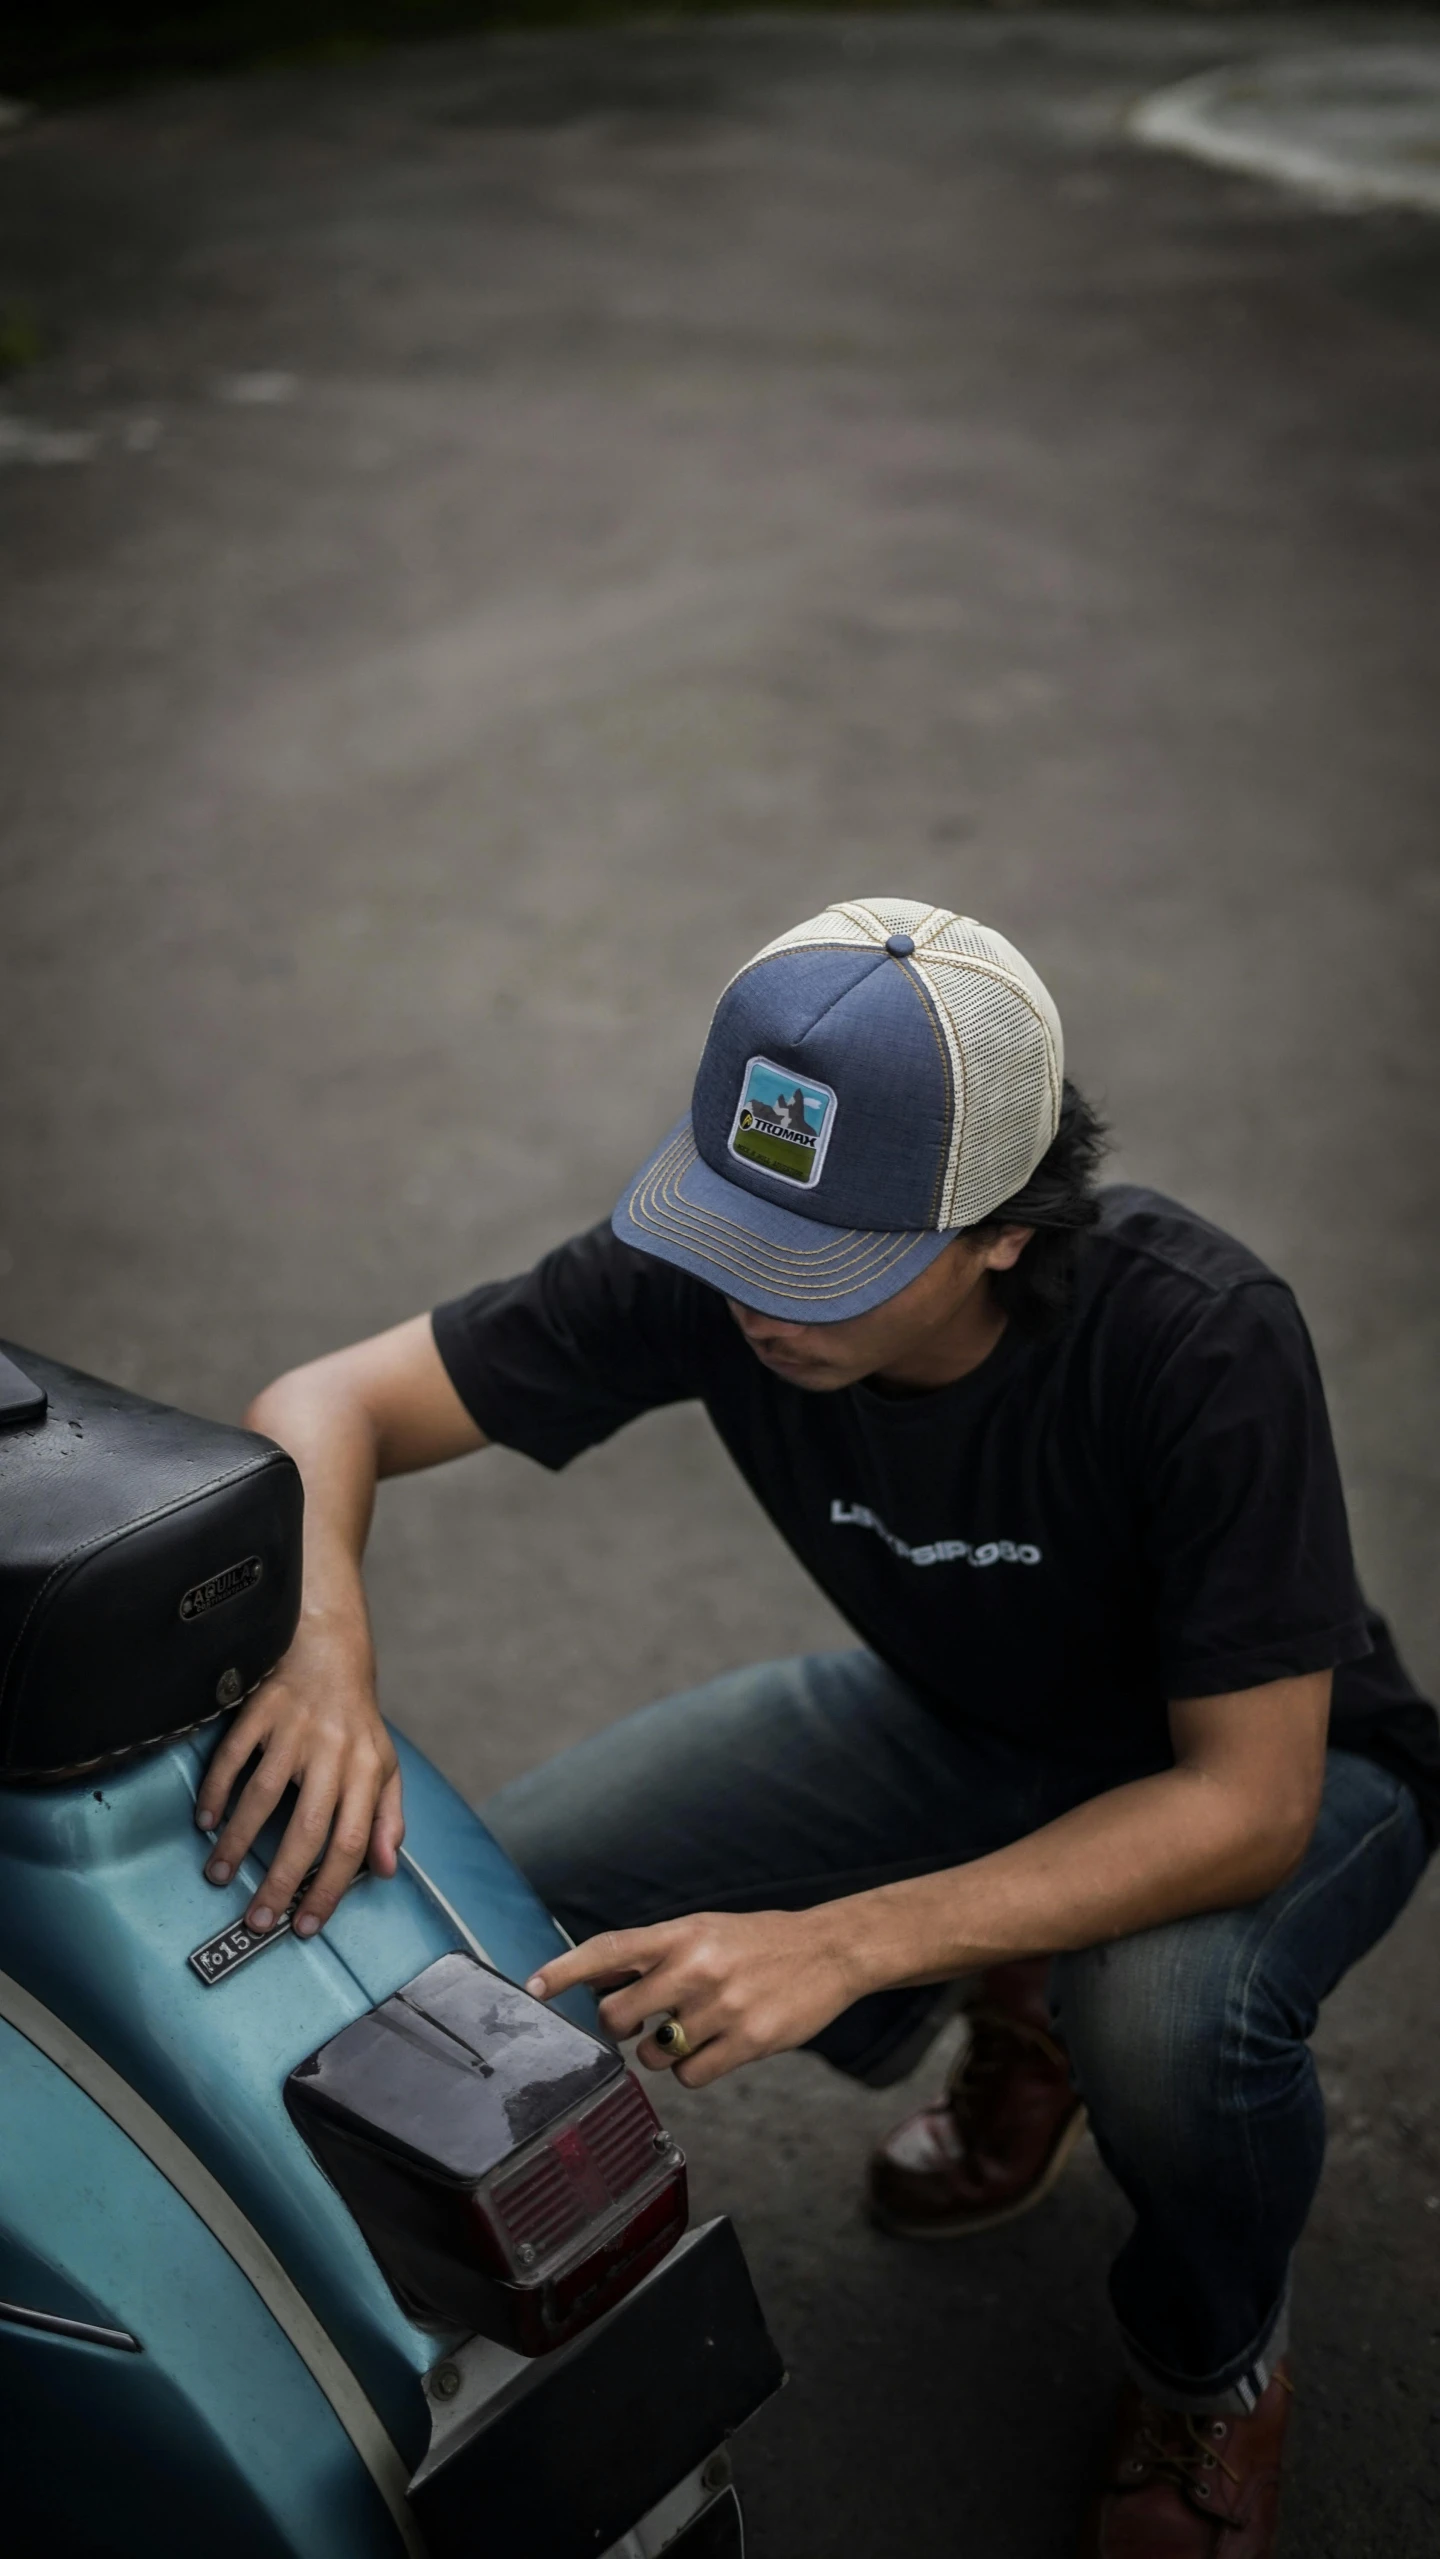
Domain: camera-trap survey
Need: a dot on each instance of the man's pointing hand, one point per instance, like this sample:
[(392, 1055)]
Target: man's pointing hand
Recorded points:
[(742, 1984)]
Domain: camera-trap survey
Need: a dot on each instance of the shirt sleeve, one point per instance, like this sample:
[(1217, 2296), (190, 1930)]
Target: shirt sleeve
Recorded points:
[(1243, 1515), (556, 1360)]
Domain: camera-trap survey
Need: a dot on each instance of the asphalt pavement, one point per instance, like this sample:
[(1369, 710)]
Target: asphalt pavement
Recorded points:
[(493, 533)]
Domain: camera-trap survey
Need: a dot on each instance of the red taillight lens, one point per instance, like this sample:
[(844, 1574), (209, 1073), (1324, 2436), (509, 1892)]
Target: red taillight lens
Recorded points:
[(585, 2214), (534, 2212), (578, 2174), (622, 2134), (580, 2282)]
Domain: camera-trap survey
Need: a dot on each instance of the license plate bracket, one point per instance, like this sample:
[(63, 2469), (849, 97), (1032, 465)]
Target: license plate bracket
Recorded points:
[(571, 2453)]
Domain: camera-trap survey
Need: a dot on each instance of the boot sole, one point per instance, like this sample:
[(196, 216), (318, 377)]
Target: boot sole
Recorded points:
[(966, 2225)]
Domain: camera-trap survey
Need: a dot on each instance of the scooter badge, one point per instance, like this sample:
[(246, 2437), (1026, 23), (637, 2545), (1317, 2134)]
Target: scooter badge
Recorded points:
[(220, 1956)]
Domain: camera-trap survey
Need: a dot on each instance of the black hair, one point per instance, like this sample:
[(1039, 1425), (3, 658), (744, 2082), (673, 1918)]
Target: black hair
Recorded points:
[(1060, 1202)]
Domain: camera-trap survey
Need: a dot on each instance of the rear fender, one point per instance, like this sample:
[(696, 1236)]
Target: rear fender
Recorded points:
[(209, 2419)]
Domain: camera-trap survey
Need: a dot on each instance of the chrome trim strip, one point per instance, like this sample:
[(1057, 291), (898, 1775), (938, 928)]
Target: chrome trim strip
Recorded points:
[(451, 1913), (238, 2236), (84, 2331)]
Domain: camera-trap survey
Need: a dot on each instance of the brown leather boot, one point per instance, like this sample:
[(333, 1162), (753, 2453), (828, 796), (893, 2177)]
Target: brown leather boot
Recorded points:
[(1191, 2487), (997, 2139)]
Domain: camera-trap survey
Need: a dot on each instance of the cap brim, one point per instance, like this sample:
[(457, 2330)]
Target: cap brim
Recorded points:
[(756, 1251)]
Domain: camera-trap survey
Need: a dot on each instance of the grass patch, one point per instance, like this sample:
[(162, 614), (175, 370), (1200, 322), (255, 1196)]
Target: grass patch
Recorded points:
[(21, 344), (775, 1154)]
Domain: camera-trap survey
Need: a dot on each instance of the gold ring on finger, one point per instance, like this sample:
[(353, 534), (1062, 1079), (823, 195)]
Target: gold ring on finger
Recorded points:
[(673, 2040)]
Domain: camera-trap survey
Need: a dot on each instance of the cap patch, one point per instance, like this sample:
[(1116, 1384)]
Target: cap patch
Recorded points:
[(783, 1122)]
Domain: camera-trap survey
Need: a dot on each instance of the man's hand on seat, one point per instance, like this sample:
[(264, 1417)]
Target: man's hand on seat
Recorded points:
[(316, 1725)]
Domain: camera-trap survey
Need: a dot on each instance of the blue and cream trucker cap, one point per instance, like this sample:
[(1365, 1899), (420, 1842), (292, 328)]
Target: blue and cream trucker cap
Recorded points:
[(873, 1081)]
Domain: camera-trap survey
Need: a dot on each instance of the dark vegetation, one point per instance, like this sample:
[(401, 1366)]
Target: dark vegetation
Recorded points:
[(75, 47)]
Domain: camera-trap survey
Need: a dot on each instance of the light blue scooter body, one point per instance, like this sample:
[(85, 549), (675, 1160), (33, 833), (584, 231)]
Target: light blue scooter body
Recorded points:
[(215, 2436), (102, 1900)]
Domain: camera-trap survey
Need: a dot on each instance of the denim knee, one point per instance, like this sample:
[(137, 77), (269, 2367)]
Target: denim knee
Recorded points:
[(1176, 2030)]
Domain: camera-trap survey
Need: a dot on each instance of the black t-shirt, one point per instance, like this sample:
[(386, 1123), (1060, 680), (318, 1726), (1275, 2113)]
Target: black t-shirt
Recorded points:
[(1141, 1505)]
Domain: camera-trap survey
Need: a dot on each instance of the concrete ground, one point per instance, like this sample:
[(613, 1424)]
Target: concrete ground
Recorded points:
[(492, 535)]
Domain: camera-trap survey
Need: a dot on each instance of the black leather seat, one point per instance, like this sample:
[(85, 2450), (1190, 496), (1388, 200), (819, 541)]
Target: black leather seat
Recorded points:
[(149, 1567)]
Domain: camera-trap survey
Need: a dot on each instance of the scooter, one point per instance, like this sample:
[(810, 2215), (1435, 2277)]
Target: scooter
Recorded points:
[(327, 2248)]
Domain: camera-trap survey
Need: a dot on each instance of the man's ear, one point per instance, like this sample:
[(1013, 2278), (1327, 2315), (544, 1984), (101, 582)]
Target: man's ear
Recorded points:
[(1006, 1246)]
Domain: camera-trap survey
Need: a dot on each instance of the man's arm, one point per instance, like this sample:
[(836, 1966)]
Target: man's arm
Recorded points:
[(1224, 1826), (382, 1407)]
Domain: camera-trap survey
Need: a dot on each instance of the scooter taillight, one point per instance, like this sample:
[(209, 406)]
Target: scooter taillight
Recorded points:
[(579, 2171), (508, 2172), (582, 2215)]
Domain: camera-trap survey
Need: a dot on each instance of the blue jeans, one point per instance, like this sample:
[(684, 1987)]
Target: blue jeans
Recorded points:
[(794, 1782)]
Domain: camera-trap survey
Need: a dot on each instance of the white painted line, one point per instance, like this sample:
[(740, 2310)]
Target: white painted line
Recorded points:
[(26, 440), (257, 390), (1351, 125)]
